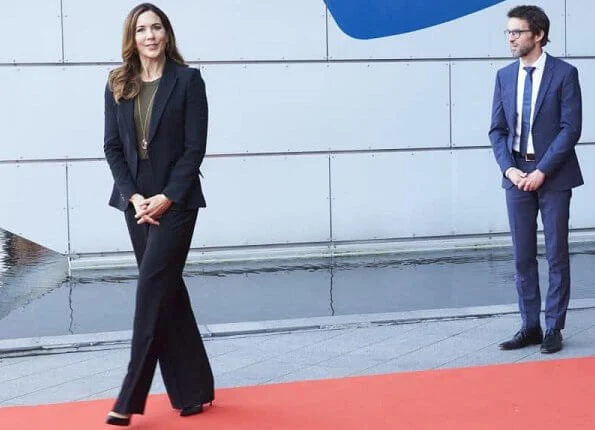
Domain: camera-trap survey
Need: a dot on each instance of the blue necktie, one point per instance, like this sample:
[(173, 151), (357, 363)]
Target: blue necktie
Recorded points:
[(526, 113)]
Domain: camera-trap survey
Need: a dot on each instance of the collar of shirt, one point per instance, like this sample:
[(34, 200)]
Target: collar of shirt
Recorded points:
[(539, 64)]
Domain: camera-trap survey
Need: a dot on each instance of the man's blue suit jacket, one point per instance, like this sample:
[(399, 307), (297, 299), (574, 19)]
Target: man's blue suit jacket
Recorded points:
[(557, 122)]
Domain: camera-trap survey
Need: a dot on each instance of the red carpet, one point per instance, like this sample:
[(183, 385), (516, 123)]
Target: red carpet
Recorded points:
[(547, 395)]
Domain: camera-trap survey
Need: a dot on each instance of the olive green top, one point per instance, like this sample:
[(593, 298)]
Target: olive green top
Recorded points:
[(143, 106)]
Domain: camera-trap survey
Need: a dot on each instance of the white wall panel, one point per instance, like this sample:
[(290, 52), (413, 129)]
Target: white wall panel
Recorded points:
[(205, 30), (580, 16), (264, 200), (472, 88), (586, 71), (391, 195), (412, 194), (32, 32), (306, 107), (34, 203), (56, 113), (52, 112), (94, 226), (478, 199), (582, 210), (476, 35)]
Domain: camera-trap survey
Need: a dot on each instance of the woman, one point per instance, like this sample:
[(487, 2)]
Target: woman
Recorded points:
[(155, 140)]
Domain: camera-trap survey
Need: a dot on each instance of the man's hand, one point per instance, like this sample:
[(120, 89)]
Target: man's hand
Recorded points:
[(515, 175), (532, 181), (153, 208)]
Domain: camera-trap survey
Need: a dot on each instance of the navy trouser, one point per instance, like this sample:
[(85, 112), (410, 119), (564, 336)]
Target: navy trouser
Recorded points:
[(164, 329), (554, 206)]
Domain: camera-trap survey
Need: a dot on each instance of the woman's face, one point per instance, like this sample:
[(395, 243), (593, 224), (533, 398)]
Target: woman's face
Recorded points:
[(150, 36)]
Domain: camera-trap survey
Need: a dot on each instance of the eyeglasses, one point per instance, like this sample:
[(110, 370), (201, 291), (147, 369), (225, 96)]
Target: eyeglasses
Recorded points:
[(514, 34)]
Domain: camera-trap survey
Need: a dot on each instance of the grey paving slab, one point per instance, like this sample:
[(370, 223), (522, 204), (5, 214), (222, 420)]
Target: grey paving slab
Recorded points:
[(368, 347), (60, 365), (74, 371), (6, 362), (266, 371), (280, 344), (580, 335), (374, 354), (106, 394), (349, 340), (447, 328), (316, 372), (358, 338), (435, 355), (73, 390), (235, 360), (217, 348), (580, 344), (493, 329), (40, 364), (577, 320), (310, 354), (463, 343), (230, 380), (422, 335), (355, 361), (490, 356), (297, 355)]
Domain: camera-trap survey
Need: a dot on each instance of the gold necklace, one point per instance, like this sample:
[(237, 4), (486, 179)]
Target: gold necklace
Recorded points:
[(143, 124)]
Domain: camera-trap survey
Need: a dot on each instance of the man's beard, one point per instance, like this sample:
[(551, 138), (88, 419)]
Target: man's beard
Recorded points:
[(522, 51)]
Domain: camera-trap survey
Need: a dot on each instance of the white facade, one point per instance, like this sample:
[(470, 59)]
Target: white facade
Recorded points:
[(315, 138)]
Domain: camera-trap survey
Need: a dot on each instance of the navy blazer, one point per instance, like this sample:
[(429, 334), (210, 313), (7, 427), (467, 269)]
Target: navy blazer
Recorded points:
[(177, 139), (556, 128)]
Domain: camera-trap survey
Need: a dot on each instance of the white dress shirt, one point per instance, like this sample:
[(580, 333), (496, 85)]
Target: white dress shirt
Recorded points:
[(537, 75)]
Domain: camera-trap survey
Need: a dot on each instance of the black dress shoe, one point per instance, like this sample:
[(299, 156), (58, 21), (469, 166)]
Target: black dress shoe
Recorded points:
[(117, 421), (523, 338), (552, 342), (191, 410)]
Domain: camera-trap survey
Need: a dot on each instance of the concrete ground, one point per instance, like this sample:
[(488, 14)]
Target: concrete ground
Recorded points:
[(83, 367)]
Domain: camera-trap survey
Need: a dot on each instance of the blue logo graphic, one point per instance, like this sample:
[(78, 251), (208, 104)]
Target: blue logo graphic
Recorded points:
[(369, 19)]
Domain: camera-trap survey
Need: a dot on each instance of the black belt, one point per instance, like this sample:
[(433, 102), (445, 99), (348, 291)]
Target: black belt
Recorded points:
[(526, 157)]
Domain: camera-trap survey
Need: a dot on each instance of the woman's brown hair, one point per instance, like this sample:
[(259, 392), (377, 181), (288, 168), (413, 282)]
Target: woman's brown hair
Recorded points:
[(125, 81)]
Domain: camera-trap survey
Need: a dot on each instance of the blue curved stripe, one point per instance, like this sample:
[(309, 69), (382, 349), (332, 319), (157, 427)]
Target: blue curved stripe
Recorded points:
[(369, 19)]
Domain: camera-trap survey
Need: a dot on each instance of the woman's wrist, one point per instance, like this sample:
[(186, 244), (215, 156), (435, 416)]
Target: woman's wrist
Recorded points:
[(134, 197)]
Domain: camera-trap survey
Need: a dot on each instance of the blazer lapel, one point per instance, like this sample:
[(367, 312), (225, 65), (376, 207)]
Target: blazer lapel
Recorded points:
[(127, 107), (546, 79), (166, 86), (510, 94)]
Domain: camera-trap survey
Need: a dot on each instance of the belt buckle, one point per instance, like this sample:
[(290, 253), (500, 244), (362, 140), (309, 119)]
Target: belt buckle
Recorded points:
[(529, 157)]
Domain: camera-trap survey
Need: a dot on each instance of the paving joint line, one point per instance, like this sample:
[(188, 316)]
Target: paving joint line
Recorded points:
[(38, 390), (11, 348)]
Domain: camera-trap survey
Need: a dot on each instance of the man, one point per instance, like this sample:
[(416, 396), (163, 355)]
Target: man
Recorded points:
[(536, 123)]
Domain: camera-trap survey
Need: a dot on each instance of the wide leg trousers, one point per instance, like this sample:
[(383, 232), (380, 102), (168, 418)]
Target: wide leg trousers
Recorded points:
[(164, 328)]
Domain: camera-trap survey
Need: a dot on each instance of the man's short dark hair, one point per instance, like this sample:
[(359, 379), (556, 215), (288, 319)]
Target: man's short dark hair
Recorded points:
[(535, 17)]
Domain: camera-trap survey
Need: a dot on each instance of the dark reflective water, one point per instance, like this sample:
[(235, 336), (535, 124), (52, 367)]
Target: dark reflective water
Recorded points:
[(38, 299), (29, 274)]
